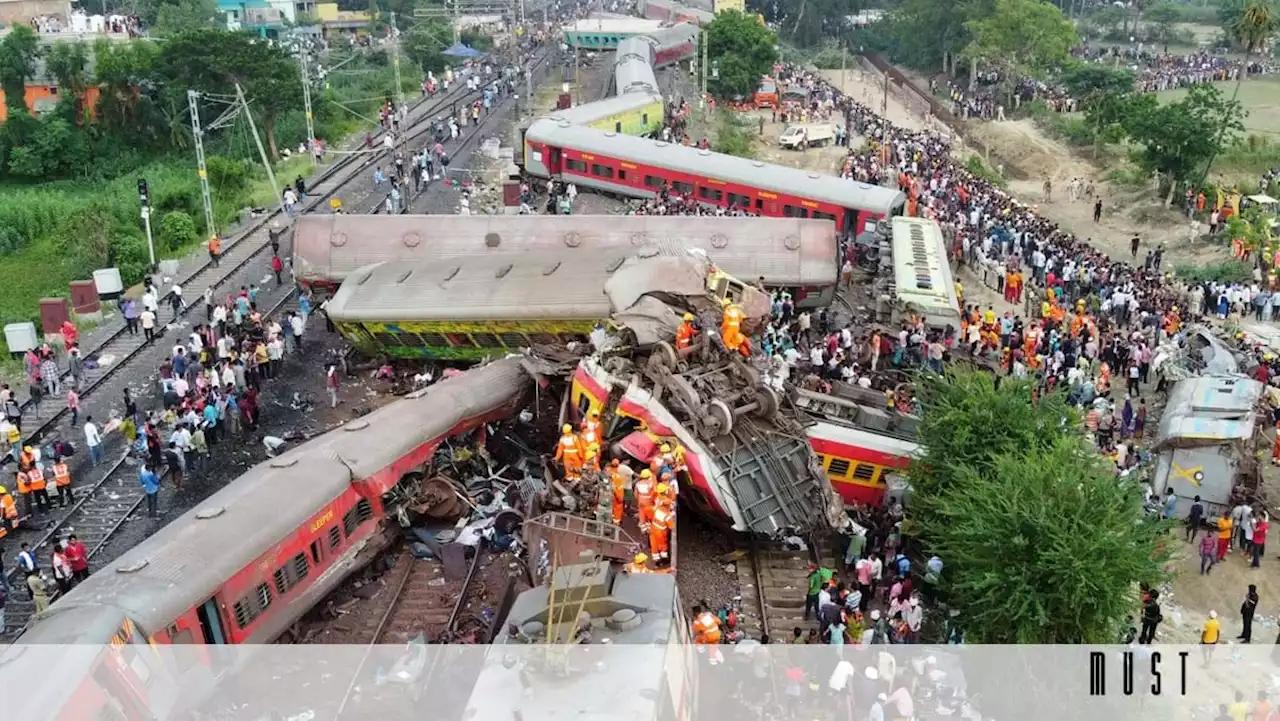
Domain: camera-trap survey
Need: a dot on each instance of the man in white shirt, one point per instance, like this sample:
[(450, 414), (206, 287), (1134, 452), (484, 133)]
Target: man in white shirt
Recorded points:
[(148, 318), (93, 441)]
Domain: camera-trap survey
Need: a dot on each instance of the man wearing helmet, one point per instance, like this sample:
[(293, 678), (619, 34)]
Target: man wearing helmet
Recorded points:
[(686, 332), (570, 452), (643, 491), (731, 325), (639, 564)]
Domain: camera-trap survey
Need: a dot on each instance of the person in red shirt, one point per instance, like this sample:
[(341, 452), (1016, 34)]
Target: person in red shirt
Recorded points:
[(1260, 539), (277, 267), (78, 558)]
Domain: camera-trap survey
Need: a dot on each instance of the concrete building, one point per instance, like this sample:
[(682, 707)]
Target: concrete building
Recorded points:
[(13, 12)]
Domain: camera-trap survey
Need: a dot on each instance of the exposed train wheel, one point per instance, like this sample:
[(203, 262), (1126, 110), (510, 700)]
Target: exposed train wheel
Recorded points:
[(663, 357), (684, 393), (717, 420), (768, 401)]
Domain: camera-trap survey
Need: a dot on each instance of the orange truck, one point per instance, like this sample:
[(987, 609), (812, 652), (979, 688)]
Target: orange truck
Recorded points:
[(767, 94)]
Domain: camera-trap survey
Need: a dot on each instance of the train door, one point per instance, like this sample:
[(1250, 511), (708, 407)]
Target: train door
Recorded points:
[(848, 226), (211, 623)]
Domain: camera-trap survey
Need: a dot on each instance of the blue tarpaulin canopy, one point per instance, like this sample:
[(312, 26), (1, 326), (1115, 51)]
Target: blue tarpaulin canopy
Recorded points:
[(461, 51)]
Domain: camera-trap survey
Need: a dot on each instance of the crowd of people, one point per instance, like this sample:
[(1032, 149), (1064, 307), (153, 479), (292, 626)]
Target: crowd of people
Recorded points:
[(1154, 72)]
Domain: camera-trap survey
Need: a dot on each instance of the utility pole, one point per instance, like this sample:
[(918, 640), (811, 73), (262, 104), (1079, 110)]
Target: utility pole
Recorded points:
[(144, 198), (457, 33), (702, 85), (193, 106), (306, 104), (262, 153), (395, 61)]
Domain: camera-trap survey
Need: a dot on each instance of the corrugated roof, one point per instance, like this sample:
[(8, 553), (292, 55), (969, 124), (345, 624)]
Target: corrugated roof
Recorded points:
[(777, 178)]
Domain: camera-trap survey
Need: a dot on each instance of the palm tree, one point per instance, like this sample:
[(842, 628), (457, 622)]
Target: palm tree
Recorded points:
[(1251, 31)]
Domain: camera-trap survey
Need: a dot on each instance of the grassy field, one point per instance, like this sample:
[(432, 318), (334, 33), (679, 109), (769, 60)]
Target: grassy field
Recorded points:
[(1260, 98)]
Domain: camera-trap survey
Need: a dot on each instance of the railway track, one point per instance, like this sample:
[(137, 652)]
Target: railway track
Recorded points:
[(422, 607), (470, 134), (99, 512), (121, 350), (774, 585)]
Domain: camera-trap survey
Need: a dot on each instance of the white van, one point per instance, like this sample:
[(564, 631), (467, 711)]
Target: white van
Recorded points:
[(811, 134)]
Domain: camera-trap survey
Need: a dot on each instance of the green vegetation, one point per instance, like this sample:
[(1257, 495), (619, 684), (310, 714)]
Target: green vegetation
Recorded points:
[(68, 194), (741, 50), (979, 169), (1042, 544), (732, 137), (1227, 271)]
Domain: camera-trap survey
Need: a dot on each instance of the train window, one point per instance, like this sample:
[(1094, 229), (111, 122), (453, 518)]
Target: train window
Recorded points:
[(460, 340), (315, 552), (543, 338), (617, 127), (710, 194), (739, 201), (644, 120), (622, 175), (391, 340), (283, 582), (683, 188), (838, 467), (823, 216), (651, 181), (575, 165), (584, 404), (791, 211), (514, 340), (434, 339), (864, 472), (335, 538), (350, 522), (822, 460), (264, 596), (486, 340), (602, 171)]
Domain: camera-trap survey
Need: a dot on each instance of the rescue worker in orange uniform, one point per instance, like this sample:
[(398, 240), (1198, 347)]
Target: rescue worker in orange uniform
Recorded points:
[(666, 491), (619, 485), (643, 491), (36, 482), (570, 453), (62, 479), (662, 523), (686, 332), (8, 512), (639, 564), (591, 429), (731, 326), (706, 627), (24, 490)]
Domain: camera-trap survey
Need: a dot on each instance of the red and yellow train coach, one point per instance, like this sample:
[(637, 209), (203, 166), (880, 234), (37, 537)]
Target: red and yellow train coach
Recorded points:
[(641, 168)]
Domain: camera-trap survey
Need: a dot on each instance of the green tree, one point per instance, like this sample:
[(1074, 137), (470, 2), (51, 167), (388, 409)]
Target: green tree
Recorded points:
[(1164, 17), (19, 52), (1042, 545), (119, 69), (741, 51), (1021, 37), (215, 61), (931, 34), (1177, 139), (1108, 19), (1089, 82), (423, 44), (181, 15)]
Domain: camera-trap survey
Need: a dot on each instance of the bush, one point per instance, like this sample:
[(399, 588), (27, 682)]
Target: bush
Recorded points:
[(177, 230), (978, 168), (731, 139), (227, 174), (1227, 271), (129, 254)]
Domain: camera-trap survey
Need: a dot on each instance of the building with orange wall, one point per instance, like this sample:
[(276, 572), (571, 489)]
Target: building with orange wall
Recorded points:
[(43, 97)]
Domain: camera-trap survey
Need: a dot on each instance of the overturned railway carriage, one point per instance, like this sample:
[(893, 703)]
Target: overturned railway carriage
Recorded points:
[(641, 168), (254, 557), (791, 253), (922, 279), (605, 33), (668, 11)]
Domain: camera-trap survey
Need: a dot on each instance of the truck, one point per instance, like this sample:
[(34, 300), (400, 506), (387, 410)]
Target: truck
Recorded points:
[(810, 134)]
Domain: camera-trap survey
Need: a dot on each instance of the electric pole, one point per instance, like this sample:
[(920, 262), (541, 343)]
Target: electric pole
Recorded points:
[(702, 85), (395, 61), (194, 106), (262, 153), (306, 104), (457, 32)]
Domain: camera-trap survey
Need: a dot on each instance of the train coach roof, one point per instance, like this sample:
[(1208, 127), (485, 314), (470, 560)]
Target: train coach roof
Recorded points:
[(697, 162), (629, 25), (786, 251), (529, 286), (186, 561), (616, 105)]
